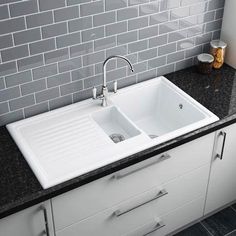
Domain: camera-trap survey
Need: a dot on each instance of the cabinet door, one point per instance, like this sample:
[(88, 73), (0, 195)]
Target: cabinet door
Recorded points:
[(34, 221), (222, 183)]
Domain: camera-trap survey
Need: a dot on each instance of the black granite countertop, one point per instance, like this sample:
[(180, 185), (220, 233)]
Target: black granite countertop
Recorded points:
[(20, 189)]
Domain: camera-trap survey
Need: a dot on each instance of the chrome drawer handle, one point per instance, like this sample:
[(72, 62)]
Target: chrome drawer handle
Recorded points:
[(160, 194), (45, 215), (220, 156), (118, 175), (158, 226)]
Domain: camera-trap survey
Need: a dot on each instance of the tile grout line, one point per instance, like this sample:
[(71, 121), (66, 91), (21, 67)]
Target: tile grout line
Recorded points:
[(228, 234), (205, 228)]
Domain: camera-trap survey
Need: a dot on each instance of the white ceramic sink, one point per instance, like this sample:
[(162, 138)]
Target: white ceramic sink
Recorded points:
[(62, 144)]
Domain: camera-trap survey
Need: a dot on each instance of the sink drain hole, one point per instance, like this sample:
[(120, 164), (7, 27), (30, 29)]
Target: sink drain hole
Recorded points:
[(116, 138), (152, 136)]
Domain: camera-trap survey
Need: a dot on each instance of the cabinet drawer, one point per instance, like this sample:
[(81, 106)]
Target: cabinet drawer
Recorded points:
[(172, 221), (130, 214), (101, 194)]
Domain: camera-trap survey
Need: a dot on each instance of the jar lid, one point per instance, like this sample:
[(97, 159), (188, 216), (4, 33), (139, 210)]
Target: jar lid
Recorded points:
[(218, 44), (205, 58)]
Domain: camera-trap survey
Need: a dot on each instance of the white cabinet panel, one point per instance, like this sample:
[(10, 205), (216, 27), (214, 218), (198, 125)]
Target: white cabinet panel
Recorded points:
[(145, 208), (29, 222), (99, 195), (222, 184), (172, 221)]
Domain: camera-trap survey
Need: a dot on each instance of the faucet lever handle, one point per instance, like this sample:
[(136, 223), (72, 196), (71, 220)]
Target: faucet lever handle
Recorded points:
[(94, 93), (115, 86)]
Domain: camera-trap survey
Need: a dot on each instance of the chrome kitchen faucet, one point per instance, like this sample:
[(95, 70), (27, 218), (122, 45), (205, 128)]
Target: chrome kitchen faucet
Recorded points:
[(104, 95)]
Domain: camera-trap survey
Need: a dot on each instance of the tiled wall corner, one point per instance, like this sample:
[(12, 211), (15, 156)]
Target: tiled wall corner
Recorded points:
[(51, 51)]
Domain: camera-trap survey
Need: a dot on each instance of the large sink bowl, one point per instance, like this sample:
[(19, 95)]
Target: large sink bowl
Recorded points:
[(62, 144), (158, 107)]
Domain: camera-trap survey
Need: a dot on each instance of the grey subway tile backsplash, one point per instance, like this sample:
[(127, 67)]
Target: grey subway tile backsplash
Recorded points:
[(12, 25), (39, 19), (4, 12), (7, 68), (176, 56), (9, 93), (81, 49), (47, 94), (104, 43), (92, 34), (166, 49), (36, 109), (42, 46), (127, 37), (57, 55), (19, 78), (30, 62), (127, 13), (104, 18), (82, 73), (44, 71), (72, 87), (115, 4), (68, 40), (66, 13), (6, 41), (11, 117), (61, 101), (45, 5), (91, 8), (80, 24), (32, 87), (2, 84), (69, 65), (27, 36), (149, 8), (54, 30), (51, 51), (21, 102), (116, 28), (4, 108), (138, 23), (14, 53), (149, 32), (58, 80), (137, 46), (23, 8)]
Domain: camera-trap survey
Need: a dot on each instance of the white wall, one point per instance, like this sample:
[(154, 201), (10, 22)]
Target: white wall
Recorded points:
[(228, 33)]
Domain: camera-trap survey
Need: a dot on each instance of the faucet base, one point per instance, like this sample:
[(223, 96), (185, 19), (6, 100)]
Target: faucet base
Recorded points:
[(104, 96)]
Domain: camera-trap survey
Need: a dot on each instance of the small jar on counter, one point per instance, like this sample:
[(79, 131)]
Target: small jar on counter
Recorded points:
[(205, 62), (218, 48)]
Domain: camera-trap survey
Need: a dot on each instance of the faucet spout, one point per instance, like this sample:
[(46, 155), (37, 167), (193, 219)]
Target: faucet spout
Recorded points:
[(105, 66)]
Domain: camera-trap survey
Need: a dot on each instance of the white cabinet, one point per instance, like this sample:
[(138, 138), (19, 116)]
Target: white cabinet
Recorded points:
[(222, 184), (157, 188), (34, 221), (148, 209)]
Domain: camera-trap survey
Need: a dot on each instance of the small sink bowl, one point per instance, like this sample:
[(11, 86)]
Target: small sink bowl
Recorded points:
[(115, 124), (159, 107)]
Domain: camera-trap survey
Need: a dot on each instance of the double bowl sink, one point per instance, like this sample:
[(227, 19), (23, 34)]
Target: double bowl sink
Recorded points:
[(65, 143)]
